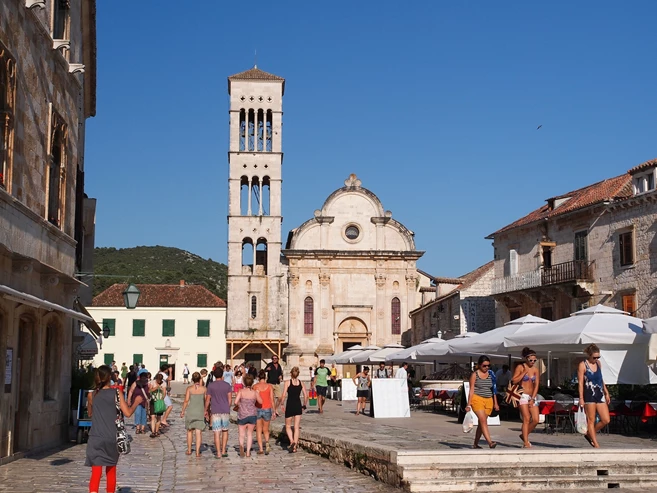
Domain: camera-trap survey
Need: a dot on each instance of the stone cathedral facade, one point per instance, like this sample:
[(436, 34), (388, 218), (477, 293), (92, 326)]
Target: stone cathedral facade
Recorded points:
[(346, 276)]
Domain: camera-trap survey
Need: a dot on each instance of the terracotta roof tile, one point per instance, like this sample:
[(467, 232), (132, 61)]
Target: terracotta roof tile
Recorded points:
[(617, 188), (162, 295), (648, 164)]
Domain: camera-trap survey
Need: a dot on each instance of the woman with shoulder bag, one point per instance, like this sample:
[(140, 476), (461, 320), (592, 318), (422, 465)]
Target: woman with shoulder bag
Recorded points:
[(102, 447), (526, 374), (482, 399), (158, 406), (140, 388)]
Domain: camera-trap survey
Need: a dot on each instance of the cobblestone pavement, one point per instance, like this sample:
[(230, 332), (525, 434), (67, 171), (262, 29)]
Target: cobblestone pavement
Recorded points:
[(160, 465)]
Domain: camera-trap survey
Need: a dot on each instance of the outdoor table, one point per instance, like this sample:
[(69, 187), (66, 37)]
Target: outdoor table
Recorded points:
[(547, 406)]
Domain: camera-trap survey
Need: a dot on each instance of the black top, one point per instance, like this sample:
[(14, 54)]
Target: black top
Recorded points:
[(131, 377), (274, 373), (293, 405)]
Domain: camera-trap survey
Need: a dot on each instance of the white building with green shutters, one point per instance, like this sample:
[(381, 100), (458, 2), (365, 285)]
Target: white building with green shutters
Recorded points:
[(172, 323)]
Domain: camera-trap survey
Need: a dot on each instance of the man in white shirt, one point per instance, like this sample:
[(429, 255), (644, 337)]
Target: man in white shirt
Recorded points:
[(401, 371), (503, 377)]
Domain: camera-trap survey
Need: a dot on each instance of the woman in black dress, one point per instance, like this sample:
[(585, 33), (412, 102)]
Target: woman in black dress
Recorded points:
[(294, 407), (101, 447)]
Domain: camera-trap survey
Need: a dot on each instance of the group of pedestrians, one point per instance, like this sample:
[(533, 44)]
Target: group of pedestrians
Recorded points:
[(482, 398)]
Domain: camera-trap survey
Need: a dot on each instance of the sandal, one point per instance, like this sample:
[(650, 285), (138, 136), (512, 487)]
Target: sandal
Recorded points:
[(476, 446), (588, 439), (260, 452), (492, 444), (223, 455), (153, 435), (295, 447)]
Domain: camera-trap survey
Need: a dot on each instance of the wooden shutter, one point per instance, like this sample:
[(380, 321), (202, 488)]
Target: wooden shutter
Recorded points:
[(168, 328), (581, 247), (109, 357), (111, 324), (138, 359), (201, 360), (629, 303), (513, 262), (203, 328), (139, 328), (626, 248)]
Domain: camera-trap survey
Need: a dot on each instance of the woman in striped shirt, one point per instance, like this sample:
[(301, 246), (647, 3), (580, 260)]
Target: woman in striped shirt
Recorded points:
[(483, 399)]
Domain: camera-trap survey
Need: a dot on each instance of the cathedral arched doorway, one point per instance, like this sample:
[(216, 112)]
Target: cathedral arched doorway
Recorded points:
[(351, 331)]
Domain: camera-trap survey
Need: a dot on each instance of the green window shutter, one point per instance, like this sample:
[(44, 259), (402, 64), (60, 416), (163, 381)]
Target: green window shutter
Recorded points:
[(138, 358), (109, 357), (203, 328), (201, 360), (111, 323), (168, 328), (139, 328)]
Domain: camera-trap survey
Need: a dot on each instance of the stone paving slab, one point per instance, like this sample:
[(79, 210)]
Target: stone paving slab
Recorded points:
[(435, 431)]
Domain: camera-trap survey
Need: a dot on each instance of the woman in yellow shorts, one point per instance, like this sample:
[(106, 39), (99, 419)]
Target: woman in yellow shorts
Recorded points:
[(483, 399)]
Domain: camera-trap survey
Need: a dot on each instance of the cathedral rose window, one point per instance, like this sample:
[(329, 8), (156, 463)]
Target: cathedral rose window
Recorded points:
[(352, 232)]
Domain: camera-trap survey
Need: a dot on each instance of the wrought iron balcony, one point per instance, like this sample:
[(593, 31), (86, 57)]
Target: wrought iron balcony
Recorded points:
[(574, 270)]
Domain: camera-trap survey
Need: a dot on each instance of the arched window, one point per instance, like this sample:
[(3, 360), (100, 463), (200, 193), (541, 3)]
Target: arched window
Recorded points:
[(308, 315), (395, 309), (247, 256), (245, 190), (254, 307), (56, 169), (242, 131), (261, 257)]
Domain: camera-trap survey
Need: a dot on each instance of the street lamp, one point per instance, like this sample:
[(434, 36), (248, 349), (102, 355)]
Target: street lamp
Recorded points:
[(131, 296), (106, 331)]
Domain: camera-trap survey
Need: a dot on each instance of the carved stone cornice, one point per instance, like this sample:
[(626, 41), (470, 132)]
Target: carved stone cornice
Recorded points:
[(324, 279)]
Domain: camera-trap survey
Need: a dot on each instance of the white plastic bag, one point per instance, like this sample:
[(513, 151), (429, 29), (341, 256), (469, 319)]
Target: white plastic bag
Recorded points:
[(580, 421), (468, 422)]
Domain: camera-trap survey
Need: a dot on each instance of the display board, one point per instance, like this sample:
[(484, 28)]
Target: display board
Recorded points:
[(348, 389), (390, 398)]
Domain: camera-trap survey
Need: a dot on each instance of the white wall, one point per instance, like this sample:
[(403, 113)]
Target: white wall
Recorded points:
[(184, 346)]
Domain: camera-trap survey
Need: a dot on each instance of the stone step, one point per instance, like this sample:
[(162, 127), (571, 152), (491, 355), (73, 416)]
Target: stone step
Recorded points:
[(523, 456), (509, 485), (472, 470)]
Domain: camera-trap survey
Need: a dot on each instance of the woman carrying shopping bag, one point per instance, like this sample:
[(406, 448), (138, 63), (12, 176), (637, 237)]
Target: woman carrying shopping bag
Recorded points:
[(593, 393), (482, 399)]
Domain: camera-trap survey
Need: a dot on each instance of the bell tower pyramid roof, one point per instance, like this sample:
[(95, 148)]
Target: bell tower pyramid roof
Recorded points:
[(255, 74)]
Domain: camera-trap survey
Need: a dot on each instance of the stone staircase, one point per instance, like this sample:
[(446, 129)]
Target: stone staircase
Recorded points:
[(519, 470)]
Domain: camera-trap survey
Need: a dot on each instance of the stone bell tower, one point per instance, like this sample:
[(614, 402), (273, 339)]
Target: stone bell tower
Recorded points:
[(256, 321)]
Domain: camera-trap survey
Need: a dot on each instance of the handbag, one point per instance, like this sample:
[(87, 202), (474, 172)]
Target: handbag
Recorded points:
[(513, 394), (122, 438)]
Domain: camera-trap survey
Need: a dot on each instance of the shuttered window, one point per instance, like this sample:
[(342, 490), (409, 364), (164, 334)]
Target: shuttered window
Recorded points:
[(581, 246), (138, 359), (168, 328), (513, 262), (110, 323), (201, 360), (629, 303), (138, 328), (203, 328), (108, 358)]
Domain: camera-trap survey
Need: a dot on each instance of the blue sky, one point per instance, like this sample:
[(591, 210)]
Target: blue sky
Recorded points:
[(433, 104)]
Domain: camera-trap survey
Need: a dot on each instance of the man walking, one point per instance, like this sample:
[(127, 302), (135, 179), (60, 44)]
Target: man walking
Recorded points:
[(217, 410), (275, 377), (381, 371), (186, 374), (320, 383)]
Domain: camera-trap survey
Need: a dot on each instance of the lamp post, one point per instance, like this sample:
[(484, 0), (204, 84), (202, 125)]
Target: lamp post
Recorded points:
[(131, 296)]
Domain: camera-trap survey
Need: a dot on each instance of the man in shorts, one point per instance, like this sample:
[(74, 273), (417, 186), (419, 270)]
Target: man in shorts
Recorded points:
[(275, 377), (217, 408), (320, 383)]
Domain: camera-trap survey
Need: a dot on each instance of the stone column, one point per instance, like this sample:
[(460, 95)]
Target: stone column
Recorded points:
[(325, 343), (380, 328)]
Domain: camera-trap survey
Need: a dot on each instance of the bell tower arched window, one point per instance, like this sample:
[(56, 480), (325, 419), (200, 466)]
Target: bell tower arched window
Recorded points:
[(56, 169), (308, 315), (395, 310)]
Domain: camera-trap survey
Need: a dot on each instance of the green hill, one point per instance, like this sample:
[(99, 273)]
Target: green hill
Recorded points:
[(157, 265)]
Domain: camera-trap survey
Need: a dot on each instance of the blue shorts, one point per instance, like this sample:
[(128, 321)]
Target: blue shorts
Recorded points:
[(249, 420), (264, 414), (140, 416), (220, 422)]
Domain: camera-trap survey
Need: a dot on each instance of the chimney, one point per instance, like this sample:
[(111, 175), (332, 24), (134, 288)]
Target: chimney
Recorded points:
[(182, 283)]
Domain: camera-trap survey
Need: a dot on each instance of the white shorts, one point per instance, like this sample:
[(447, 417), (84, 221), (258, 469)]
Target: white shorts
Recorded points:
[(167, 401), (525, 399)]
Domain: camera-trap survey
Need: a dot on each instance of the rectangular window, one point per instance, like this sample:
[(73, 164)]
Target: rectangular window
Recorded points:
[(7, 99), (201, 360), (203, 328), (110, 323), (168, 328), (651, 181), (61, 16), (581, 246), (108, 358), (626, 246), (138, 359), (138, 328), (546, 313), (629, 303)]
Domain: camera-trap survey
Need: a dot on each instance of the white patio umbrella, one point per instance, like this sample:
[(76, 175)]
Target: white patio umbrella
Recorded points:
[(410, 353), (598, 324), (334, 358), (623, 344), (379, 355), (441, 351), (360, 356), (492, 341)]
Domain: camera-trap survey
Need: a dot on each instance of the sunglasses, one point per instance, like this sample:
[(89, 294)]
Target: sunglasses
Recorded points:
[(531, 361), (485, 366), (596, 357)]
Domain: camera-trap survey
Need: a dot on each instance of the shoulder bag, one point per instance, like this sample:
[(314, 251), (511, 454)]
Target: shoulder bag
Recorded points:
[(159, 406), (514, 392), (122, 437)]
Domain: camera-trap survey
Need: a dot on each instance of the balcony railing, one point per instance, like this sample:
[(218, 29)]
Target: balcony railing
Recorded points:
[(575, 270)]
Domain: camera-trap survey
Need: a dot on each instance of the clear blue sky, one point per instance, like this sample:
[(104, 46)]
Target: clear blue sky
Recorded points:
[(433, 104)]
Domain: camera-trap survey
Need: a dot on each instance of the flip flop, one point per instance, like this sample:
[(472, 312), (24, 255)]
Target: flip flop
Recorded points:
[(588, 439), (476, 447), (492, 444), (223, 455)]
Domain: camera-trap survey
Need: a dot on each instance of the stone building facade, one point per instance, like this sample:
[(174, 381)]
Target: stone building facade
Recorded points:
[(593, 245), (454, 306), (352, 276), (47, 90)]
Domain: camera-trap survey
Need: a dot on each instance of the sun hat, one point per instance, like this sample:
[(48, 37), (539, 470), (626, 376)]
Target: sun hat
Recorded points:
[(141, 372)]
